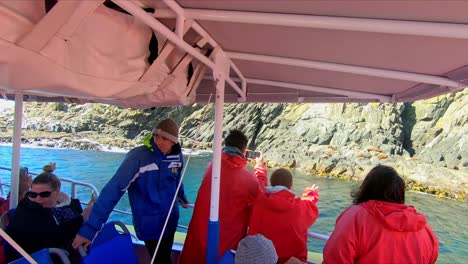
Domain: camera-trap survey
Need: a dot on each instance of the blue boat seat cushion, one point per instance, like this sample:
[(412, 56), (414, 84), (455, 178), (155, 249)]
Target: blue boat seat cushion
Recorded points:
[(111, 246)]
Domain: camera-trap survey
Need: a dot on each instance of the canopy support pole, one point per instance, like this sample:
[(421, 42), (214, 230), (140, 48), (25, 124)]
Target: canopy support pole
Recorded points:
[(386, 26), (337, 67), (220, 73), (313, 88), (15, 160), (180, 18)]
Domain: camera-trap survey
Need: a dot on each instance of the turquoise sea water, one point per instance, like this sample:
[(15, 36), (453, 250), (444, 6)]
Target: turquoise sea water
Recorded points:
[(447, 218)]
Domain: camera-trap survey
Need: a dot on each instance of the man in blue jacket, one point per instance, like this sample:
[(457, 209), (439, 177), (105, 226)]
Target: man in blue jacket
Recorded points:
[(150, 173)]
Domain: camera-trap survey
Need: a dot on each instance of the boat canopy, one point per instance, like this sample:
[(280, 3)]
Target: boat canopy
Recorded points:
[(151, 53)]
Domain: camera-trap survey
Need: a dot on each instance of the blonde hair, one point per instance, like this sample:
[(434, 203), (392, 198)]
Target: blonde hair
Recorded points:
[(49, 167), (47, 177)]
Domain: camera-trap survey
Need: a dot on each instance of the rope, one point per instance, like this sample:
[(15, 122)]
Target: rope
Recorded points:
[(181, 179)]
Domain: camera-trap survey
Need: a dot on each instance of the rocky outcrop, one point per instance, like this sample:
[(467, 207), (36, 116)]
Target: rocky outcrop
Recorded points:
[(439, 135), (426, 140)]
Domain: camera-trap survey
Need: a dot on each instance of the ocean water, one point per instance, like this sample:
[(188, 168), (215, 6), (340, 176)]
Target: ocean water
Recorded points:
[(446, 217)]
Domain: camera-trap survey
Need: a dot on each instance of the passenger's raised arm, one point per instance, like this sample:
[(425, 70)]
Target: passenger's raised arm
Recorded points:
[(260, 171)]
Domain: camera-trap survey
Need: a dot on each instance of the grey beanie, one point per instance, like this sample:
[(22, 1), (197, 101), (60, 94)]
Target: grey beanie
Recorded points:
[(256, 249), (167, 128)]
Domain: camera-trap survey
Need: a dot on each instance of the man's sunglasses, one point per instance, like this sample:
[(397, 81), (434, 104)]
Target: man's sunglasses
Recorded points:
[(41, 194)]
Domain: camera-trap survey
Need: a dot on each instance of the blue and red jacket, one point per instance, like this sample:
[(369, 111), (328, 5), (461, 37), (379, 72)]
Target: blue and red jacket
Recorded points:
[(151, 179)]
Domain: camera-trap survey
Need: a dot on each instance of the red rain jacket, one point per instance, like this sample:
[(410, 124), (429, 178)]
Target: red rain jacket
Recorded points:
[(381, 232), (284, 219), (238, 190)]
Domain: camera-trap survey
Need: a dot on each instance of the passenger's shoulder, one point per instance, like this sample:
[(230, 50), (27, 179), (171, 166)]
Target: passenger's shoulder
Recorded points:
[(354, 211), (248, 175), (138, 151)]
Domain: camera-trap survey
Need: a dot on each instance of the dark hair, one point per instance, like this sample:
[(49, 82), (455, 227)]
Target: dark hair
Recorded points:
[(381, 183), (281, 177), (236, 139), (47, 177)]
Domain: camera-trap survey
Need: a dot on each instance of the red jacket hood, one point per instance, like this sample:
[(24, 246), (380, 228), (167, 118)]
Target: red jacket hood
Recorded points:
[(233, 161), (281, 201), (397, 217)]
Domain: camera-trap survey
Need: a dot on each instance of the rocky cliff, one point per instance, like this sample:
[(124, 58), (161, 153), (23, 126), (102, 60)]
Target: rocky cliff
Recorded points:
[(426, 140)]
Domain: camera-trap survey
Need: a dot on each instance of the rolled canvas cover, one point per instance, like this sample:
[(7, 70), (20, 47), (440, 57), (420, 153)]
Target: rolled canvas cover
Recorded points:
[(19, 17), (90, 53), (106, 43)]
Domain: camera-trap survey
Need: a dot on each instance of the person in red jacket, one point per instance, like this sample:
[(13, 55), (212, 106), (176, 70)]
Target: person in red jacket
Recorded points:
[(379, 227), (238, 190), (282, 217)]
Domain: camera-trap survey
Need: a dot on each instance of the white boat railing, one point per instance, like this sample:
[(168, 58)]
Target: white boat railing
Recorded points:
[(75, 184)]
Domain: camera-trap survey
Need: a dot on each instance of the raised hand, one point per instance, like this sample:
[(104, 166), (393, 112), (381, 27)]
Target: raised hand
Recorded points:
[(311, 193), (312, 188)]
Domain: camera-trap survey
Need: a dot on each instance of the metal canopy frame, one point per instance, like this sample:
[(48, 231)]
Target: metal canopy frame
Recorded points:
[(416, 28), (431, 29), (170, 9), (442, 30)]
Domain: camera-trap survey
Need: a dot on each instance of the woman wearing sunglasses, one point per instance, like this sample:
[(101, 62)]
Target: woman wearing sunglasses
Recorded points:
[(45, 217)]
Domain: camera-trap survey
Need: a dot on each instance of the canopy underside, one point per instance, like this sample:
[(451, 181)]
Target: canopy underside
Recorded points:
[(276, 51)]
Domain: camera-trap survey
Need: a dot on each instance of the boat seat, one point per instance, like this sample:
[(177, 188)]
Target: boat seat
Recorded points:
[(111, 246), (43, 256), (229, 257)]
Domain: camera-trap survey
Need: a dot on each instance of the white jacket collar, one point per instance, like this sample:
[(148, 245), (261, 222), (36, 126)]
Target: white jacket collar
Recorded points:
[(277, 188), (63, 200)]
